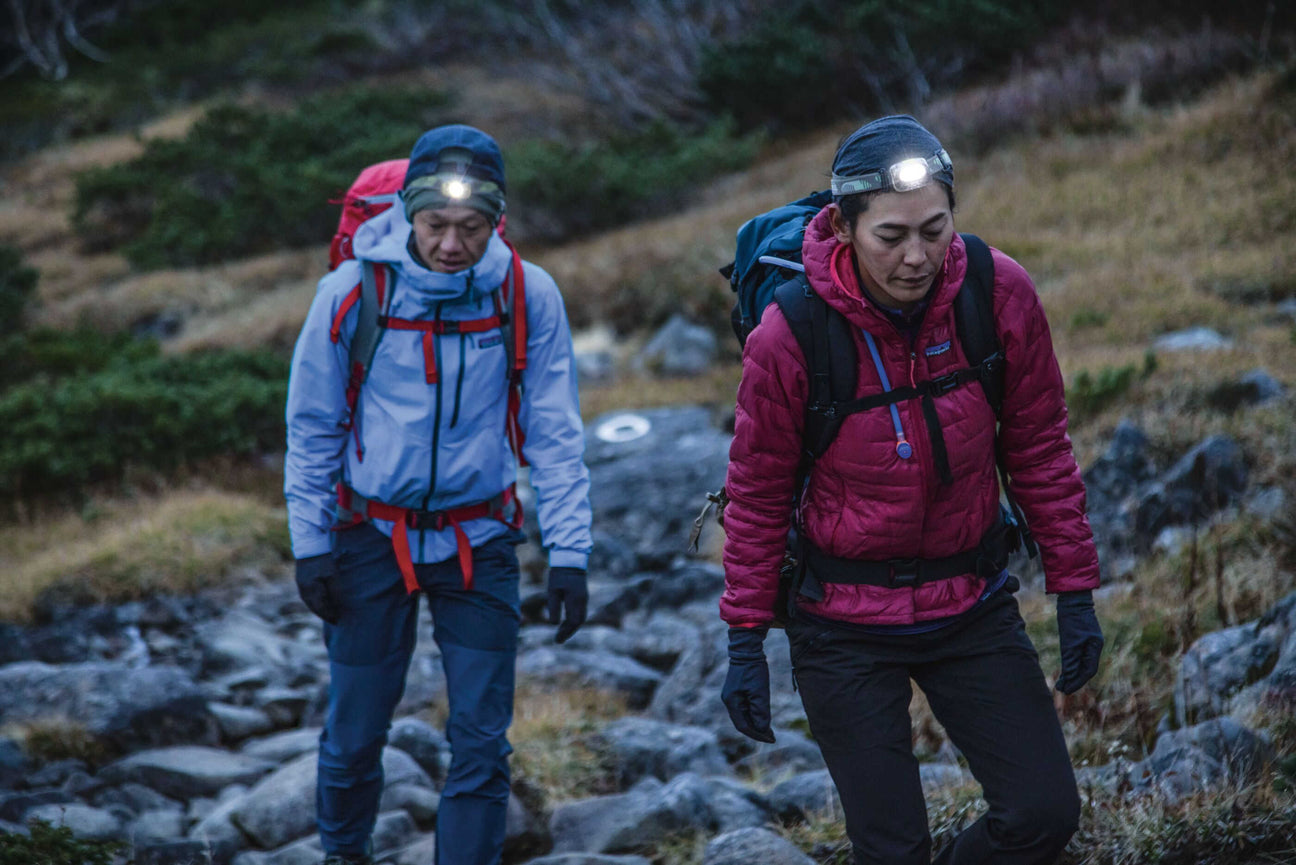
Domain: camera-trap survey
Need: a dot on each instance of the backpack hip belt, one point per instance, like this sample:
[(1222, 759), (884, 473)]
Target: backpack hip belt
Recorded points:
[(354, 508), (986, 559)]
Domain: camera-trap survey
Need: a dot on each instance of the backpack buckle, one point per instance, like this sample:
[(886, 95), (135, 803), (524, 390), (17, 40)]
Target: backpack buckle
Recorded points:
[(904, 573), (423, 520), (944, 384)]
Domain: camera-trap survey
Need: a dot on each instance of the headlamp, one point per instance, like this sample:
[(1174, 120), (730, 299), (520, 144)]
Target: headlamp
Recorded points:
[(903, 176), (456, 189), (454, 186)]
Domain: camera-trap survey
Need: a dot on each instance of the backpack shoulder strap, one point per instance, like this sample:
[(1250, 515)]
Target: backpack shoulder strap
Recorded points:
[(364, 342), (825, 339), (974, 318), (510, 303)]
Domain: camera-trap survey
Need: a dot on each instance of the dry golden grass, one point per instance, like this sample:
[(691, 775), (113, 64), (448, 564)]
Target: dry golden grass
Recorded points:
[(176, 542), (553, 748)]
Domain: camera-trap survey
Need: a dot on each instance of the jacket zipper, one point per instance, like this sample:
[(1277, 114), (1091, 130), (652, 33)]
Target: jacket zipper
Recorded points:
[(459, 379)]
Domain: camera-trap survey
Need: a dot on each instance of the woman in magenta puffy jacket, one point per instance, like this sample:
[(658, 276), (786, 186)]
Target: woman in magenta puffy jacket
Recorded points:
[(901, 533)]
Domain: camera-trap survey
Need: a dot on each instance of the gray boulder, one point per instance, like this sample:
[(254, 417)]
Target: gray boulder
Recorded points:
[(1209, 477), (750, 846), (281, 807), (172, 853), (790, 753), (127, 708), (238, 723), (1256, 387), (423, 742), (14, 805), (1203, 757), (734, 805), (588, 859), (152, 827), (1193, 339), (691, 693), (805, 794), (285, 746), (679, 348), (186, 772), (1223, 662), (641, 464), (85, 822), (644, 747), (629, 821), (558, 665)]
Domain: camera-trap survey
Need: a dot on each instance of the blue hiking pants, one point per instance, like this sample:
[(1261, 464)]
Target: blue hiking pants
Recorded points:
[(369, 653)]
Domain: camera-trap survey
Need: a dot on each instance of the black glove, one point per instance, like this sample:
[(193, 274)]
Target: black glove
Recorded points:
[(1080, 638), (746, 691), (568, 598), (315, 578)]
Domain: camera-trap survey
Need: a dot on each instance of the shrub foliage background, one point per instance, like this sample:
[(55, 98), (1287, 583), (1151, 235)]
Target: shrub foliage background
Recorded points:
[(81, 408)]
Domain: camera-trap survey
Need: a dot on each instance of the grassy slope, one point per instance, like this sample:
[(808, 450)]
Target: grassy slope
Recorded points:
[(1158, 221)]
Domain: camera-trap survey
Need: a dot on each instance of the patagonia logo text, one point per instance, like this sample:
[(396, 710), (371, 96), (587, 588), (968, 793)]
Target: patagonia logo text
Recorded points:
[(938, 349), (488, 341)]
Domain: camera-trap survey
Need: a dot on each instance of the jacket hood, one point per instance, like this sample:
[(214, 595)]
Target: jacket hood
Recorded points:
[(385, 238), (830, 268)]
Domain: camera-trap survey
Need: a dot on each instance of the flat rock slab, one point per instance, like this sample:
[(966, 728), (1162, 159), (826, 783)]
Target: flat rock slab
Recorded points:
[(186, 772)]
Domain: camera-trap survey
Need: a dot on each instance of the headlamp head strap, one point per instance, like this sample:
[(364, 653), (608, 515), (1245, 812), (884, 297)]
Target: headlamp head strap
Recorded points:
[(902, 176)]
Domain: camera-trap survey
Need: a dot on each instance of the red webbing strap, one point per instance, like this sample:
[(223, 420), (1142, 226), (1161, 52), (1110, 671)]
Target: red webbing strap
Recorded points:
[(445, 325), (517, 308), (353, 296), (429, 329), (359, 508)]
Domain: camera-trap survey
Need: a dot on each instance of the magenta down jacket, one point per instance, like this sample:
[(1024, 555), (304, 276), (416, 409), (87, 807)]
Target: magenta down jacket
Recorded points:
[(863, 501)]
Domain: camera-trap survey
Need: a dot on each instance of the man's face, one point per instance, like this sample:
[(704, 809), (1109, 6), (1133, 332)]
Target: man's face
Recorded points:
[(451, 239)]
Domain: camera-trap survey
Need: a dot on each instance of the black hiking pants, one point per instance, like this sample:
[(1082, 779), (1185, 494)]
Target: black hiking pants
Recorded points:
[(983, 680)]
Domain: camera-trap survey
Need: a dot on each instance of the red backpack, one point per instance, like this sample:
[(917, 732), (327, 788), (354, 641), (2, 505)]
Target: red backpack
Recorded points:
[(372, 192)]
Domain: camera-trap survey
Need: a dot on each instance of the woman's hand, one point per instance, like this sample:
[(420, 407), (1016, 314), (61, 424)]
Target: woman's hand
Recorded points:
[(746, 691), (1080, 638)]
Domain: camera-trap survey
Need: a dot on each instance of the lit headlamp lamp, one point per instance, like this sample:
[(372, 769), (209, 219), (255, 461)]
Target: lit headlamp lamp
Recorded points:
[(454, 186), (903, 176)]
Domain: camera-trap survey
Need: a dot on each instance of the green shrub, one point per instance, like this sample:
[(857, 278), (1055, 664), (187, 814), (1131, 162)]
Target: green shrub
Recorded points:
[(151, 412), (245, 180), (54, 354), (55, 846), (17, 283), (1089, 394), (804, 61), (599, 184)]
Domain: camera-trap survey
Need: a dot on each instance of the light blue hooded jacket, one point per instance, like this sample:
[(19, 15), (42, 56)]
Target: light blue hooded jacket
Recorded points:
[(435, 446)]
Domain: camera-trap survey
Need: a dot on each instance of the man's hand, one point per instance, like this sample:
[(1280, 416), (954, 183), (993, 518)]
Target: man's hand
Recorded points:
[(568, 601), (1080, 638), (746, 692), (315, 578)]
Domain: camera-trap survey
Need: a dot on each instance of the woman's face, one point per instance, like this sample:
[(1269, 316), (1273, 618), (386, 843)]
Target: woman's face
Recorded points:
[(900, 242)]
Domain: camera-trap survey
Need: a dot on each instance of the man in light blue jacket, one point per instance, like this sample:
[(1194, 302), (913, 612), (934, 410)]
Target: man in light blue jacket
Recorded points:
[(404, 482)]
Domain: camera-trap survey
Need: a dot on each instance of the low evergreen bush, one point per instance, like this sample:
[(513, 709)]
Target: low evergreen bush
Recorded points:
[(246, 181), (49, 845), (564, 189), (806, 60), (153, 412)]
